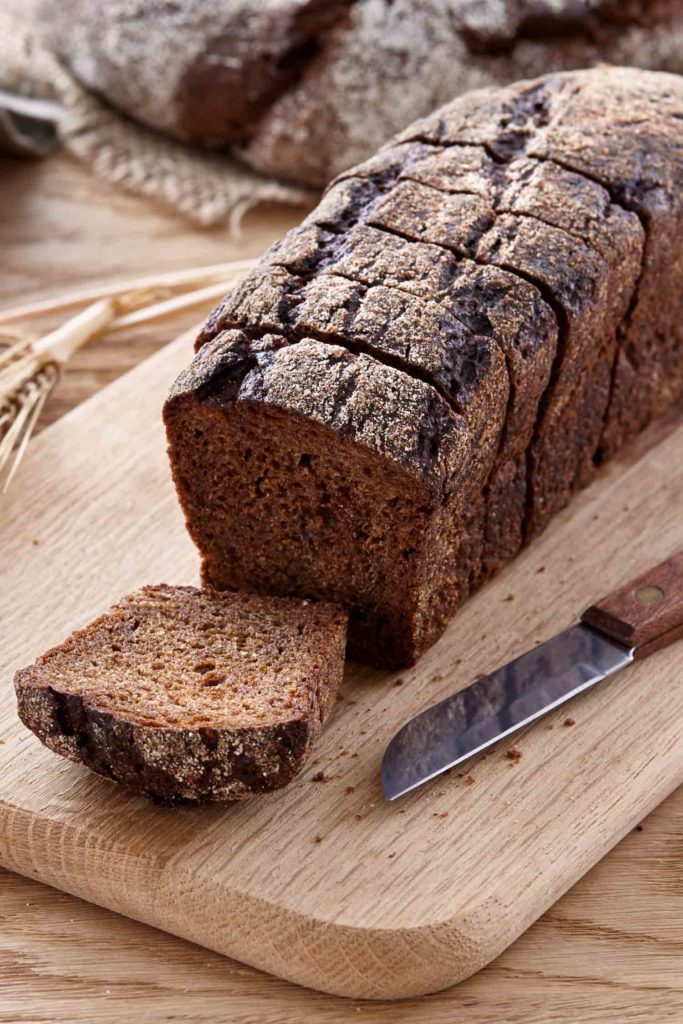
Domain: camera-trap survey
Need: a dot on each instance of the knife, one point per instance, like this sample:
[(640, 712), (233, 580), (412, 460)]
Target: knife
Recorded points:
[(630, 624)]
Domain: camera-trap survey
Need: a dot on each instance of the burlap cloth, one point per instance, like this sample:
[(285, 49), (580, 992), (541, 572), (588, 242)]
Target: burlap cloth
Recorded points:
[(209, 189)]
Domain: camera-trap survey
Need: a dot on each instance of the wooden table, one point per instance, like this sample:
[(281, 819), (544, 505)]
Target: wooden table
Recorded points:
[(611, 951)]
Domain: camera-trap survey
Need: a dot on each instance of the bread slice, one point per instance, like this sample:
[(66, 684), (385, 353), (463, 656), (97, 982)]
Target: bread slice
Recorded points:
[(184, 694), (352, 457)]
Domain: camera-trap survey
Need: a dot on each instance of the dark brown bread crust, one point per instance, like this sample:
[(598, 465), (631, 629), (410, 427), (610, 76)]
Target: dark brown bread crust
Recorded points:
[(149, 748), (637, 156), (247, 65), (505, 253)]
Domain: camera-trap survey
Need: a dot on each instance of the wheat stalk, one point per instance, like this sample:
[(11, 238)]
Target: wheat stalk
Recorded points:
[(29, 369), (156, 284), (18, 417)]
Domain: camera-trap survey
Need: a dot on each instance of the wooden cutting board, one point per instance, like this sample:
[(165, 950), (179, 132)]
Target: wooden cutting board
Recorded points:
[(324, 883)]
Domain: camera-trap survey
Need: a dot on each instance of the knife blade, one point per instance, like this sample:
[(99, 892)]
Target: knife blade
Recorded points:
[(498, 705), (633, 622)]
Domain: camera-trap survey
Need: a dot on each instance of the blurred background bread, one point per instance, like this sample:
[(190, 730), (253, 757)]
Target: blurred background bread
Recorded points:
[(302, 89)]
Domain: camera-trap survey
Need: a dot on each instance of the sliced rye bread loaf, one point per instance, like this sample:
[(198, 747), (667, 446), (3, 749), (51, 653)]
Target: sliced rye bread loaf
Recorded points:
[(505, 262), (183, 694)]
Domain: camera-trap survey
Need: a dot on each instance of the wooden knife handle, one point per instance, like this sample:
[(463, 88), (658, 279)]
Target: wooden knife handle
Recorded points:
[(647, 613)]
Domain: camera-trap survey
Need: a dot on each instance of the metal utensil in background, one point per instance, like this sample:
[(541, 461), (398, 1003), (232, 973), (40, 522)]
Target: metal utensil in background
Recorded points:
[(630, 624), (28, 125)]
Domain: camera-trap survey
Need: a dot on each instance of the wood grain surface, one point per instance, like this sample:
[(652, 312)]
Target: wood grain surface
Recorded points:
[(610, 951)]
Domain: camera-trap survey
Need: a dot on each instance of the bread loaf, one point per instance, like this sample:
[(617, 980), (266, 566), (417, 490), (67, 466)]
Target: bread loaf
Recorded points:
[(186, 695), (415, 380), (305, 88)]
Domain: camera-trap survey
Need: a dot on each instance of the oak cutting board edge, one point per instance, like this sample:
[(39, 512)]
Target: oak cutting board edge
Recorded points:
[(356, 962), (324, 883)]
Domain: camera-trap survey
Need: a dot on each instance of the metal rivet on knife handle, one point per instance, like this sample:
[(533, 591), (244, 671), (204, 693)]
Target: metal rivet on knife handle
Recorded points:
[(647, 613)]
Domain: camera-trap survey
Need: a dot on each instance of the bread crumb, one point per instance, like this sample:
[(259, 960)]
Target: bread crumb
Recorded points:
[(319, 777), (318, 839), (359, 817), (469, 779), (541, 569), (399, 682), (514, 755), (510, 597), (437, 678), (639, 828), (36, 543), (392, 855), (350, 789), (440, 814), (569, 721)]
